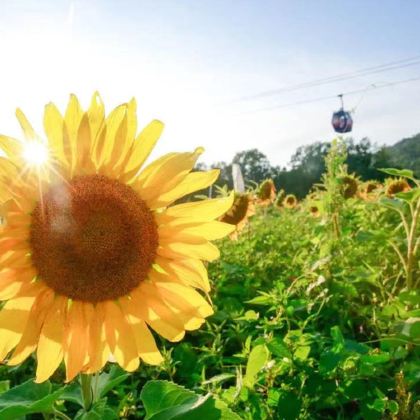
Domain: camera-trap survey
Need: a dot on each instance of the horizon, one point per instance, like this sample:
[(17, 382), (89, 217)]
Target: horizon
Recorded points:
[(193, 66)]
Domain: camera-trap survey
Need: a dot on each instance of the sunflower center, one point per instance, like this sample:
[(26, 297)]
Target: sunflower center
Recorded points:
[(93, 239), (238, 210)]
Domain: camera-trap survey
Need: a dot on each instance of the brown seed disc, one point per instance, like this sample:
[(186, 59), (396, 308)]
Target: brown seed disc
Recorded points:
[(397, 186), (93, 239), (238, 210)]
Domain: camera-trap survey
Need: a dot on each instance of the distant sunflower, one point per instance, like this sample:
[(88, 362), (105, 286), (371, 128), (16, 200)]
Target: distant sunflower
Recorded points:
[(348, 186), (242, 209), (290, 201), (314, 210), (92, 256), (396, 186), (369, 190), (266, 193)]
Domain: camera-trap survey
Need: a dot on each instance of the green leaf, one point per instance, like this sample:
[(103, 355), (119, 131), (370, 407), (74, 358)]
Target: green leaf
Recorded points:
[(279, 348), (28, 398), (256, 361), (288, 407), (219, 378), (393, 407), (375, 359), (301, 353), (411, 328), (99, 411), (165, 400), (249, 316), (338, 338), (409, 195), (4, 386), (73, 393), (108, 381), (261, 300), (391, 203), (405, 173), (328, 361)]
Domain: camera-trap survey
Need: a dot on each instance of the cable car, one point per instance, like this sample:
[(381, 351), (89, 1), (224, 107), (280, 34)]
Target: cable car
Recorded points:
[(342, 121)]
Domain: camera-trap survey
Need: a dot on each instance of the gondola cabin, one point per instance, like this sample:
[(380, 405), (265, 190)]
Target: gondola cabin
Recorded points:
[(342, 121)]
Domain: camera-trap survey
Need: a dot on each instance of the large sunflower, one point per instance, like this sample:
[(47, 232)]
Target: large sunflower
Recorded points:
[(92, 256)]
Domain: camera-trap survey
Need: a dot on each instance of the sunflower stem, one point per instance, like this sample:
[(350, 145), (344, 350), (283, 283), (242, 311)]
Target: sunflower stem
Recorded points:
[(86, 384)]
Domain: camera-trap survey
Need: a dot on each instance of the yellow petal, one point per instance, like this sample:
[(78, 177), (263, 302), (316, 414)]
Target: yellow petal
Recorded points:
[(28, 131), (204, 210), (13, 318), (189, 271), (194, 181), (72, 119), (142, 147), (59, 144), (30, 336), (98, 350), (169, 174), (84, 146), (50, 345), (120, 337), (194, 248), (120, 142), (147, 307), (12, 148), (76, 339), (207, 230), (128, 142), (14, 283), (184, 298), (106, 139), (146, 346), (96, 115)]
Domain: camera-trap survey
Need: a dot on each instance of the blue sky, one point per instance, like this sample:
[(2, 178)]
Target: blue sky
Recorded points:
[(188, 62)]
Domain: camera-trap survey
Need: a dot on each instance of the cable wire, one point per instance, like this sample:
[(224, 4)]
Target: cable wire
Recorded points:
[(394, 65), (352, 92)]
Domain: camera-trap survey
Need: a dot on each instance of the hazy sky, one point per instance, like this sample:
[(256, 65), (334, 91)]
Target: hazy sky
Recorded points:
[(189, 63)]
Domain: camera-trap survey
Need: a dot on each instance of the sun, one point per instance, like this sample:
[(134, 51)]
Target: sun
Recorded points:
[(35, 153), (94, 252)]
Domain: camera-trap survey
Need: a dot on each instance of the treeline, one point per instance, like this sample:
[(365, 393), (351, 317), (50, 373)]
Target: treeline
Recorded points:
[(307, 165)]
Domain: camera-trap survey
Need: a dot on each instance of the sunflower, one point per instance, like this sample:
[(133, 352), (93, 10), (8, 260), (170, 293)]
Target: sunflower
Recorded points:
[(93, 255), (242, 209), (314, 210), (266, 193), (369, 190), (348, 186), (290, 201), (396, 186)]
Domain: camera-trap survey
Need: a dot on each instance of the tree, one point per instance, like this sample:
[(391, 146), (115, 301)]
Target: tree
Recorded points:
[(255, 165)]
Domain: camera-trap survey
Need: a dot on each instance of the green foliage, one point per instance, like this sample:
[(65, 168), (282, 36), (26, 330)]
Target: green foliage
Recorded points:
[(405, 154), (28, 398), (308, 164), (166, 401), (315, 318)]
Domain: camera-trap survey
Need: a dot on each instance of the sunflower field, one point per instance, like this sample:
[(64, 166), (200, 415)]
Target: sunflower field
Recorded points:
[(311, 311)]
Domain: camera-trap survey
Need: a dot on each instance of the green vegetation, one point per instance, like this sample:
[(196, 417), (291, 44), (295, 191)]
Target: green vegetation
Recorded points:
[(315, 318), (308, 164)]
